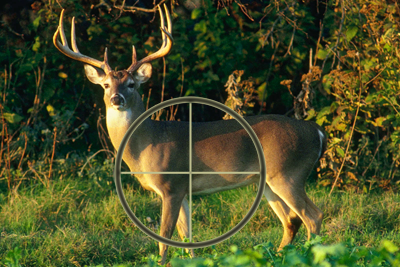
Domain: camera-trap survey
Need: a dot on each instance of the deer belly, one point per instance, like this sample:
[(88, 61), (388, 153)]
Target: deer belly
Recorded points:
[(212, 183)]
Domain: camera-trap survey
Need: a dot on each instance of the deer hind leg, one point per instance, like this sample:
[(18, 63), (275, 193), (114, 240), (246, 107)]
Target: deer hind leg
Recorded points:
[(316, 213), (289, 219), (294, 196), (183, 223)]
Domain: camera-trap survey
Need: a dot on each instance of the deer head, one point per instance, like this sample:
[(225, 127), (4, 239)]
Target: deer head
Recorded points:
[(120, 87)]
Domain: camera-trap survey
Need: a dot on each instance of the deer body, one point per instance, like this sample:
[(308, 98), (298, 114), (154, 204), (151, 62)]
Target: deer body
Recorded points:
[(291, 148)]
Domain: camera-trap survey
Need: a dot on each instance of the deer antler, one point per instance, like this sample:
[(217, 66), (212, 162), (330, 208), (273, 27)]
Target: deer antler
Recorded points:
[(75, 54), (165, 48), (64, 48)]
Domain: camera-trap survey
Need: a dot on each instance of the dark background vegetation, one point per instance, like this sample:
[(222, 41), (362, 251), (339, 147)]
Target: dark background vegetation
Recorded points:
[(334, 62)]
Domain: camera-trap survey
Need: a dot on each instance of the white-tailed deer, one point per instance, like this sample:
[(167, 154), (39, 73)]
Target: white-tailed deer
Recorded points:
[(291, 147)]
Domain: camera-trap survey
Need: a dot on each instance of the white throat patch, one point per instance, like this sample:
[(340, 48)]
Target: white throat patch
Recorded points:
[(119, 119)]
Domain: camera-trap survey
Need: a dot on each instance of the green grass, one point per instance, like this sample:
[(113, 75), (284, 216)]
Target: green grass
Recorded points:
[(78, 222)]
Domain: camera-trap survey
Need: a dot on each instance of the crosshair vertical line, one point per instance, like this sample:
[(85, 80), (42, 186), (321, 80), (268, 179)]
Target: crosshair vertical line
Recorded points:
[(190, 172)]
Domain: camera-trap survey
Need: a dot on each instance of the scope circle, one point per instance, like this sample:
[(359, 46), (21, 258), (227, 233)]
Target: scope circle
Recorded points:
[(185, 100)]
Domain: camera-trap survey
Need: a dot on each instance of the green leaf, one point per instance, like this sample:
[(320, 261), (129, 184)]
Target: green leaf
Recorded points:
[(351, 32), (36, 23), (201, 26), (262, 87), (51, 110), (63, 75), (233, 248), (341, 127), (12, 117), (36, 45), (322, 54), (387, 48), (336, 120), (196, 13), (394, 100), (211, 76), (325, 111), (389, 246), (311, 114), (390, 118), (362, 129), (335, 140), (368, 63), (340, 152), (321, 252), (379, 121)]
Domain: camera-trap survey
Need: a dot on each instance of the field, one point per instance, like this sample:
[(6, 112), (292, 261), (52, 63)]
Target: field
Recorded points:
[(79, 222)]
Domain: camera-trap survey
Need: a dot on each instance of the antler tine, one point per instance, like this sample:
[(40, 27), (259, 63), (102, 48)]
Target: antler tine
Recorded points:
[(64, 48), (134, 58), (169, 22), (162, 22), (61, 25), (73, 37), (166, 46), (107, 67), (167, 31)]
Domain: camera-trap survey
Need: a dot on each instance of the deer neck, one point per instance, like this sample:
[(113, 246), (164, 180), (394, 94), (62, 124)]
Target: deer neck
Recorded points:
[(118, 123)]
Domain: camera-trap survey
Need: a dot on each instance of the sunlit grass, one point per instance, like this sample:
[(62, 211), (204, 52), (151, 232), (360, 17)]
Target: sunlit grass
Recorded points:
[(80, 221)]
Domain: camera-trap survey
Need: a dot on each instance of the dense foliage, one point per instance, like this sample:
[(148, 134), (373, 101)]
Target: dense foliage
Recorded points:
[(311, 254), (335, 62)]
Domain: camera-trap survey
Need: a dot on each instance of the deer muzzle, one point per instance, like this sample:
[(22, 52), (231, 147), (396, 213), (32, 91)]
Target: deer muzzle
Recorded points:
[(118, 101)]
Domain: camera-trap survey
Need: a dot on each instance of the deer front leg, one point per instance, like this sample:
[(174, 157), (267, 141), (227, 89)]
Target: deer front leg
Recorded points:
[(171, 205), (183, 223)]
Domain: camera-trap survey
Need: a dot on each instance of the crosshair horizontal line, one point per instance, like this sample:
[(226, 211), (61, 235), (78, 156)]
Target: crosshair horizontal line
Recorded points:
[(190, 172)]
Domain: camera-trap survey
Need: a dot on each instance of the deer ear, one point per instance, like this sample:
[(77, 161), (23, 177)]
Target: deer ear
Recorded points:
[(93, 74), (143, 74)]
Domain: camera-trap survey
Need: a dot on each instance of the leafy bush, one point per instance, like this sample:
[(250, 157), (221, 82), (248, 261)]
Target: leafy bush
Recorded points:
[(313, 253), (361, 62)]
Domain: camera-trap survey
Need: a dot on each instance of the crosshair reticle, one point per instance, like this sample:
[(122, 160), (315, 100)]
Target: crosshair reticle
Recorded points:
[(190, 100)]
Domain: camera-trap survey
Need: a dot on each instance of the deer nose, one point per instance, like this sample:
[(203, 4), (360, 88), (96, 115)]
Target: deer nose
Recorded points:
[(117, 101)]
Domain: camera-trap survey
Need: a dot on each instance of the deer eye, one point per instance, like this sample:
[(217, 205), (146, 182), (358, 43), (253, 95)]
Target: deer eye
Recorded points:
[(106, 86)]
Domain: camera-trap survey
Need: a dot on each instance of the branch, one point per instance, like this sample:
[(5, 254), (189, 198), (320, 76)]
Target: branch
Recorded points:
[(133, 9), (353, 126), (244, 9), (338, 39)]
